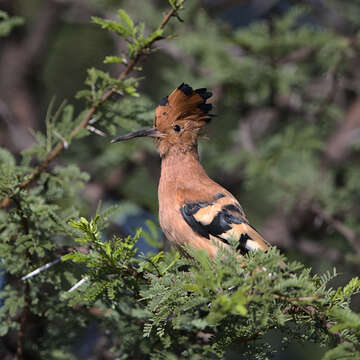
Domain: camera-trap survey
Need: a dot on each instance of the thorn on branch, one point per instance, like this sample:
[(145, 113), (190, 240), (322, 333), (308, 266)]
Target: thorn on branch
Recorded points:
[(40, 269), (78, 284), (59, 136), (176, 14), (95, 130), (93, 120), (116, 95)]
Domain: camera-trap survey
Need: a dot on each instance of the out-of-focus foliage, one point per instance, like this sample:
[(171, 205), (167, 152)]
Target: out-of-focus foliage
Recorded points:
[(7, 23), (285, 142)]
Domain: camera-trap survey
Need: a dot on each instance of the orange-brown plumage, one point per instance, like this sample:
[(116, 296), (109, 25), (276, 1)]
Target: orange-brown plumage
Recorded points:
[(185, 109), (193, 208)]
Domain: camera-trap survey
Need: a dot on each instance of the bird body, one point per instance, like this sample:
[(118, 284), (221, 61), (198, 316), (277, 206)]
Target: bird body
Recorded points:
[(196, 210), (182, 181), (193, 208)]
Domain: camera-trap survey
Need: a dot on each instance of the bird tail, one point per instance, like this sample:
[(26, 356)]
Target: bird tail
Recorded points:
[(253, 241)]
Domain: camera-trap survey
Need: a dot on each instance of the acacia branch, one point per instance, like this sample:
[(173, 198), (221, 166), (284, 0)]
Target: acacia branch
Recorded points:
[(324, 322), (316, 315), (89, 115)]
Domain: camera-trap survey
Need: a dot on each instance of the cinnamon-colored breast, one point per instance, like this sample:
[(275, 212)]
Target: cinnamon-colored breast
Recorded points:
[(196, 210)]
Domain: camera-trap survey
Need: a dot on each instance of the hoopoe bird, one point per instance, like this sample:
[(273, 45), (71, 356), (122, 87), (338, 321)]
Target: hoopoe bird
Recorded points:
[(193, 208)]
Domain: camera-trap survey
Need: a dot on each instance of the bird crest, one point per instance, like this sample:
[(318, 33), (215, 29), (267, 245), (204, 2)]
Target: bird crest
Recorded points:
[(184, 104), (178, 120)]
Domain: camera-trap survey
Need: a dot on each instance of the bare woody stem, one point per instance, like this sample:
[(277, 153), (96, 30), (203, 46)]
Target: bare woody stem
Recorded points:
[(82, 125)]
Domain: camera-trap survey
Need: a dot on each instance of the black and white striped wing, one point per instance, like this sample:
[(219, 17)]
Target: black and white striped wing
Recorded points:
[(224, 220)]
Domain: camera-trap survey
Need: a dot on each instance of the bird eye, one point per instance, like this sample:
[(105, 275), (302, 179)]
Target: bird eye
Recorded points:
[(176, 128)]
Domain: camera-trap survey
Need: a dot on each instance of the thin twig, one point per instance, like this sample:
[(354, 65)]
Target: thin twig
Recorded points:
[(90, 114), (324, 322), (315, 314)]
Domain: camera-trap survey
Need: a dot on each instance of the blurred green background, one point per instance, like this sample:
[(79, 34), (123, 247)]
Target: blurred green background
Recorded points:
[(286, 82)]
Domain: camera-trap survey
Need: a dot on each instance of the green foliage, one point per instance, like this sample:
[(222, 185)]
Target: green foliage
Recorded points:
[(102, 259), (7, 23), (165, 306), (36, 229), (218, 302), (342, 351), (133, 35), (31, 234), (100, 81), (176, 4)]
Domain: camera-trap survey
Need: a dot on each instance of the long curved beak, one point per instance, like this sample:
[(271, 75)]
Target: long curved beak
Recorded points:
[(140, 133)]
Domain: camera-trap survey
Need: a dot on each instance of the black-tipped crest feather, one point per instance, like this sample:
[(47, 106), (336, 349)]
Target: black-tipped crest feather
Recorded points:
[(163, 101), (184, 103), (186, 89)]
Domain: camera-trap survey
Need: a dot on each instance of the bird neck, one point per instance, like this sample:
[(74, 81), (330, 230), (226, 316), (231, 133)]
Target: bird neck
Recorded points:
[(181, 168)]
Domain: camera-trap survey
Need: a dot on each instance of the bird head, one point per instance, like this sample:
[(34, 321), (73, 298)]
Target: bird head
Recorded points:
[(178, 120)]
